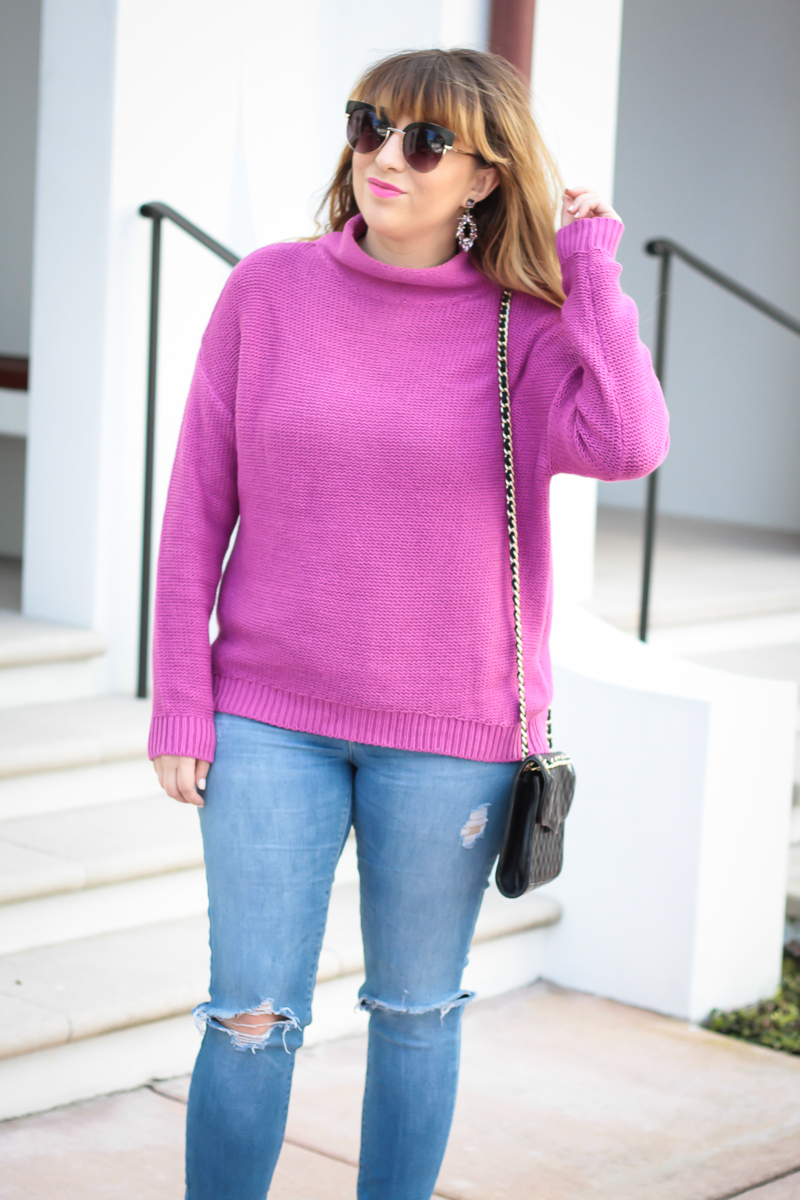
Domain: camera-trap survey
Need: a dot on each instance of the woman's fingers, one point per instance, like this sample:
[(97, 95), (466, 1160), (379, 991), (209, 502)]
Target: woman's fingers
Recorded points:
[(578, 202), (170, 781), (582, 202), (171, 784), (185, 780), (576, 199), (177, 776), (566, 216), (201, 771)]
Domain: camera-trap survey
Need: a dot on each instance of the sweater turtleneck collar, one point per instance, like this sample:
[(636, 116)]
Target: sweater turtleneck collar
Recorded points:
[(457, 273)]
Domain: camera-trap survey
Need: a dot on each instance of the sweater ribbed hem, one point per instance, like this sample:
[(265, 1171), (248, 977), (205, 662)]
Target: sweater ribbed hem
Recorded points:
[(590, 233), (400, 730), (193, 737)]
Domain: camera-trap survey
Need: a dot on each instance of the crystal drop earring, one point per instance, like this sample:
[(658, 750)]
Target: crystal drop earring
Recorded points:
[(467, 231)]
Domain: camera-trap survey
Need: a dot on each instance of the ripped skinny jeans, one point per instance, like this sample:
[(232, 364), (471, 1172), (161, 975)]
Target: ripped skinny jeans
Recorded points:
[(278, 808)]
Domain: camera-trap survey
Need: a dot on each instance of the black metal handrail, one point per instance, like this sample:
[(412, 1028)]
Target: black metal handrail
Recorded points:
[(157, 213), (664, 249)]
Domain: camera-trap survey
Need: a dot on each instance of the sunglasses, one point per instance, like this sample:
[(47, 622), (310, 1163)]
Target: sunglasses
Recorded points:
[(424, 144)]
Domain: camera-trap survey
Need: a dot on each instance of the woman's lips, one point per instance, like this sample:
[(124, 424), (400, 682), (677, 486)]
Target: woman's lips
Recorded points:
[(379, 188)]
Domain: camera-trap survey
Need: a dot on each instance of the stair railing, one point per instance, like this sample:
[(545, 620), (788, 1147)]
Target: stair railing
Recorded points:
[(157, 213), (665, 249)]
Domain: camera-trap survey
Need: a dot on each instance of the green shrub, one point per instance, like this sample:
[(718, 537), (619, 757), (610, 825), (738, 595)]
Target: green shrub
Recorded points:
[(774, 1023)]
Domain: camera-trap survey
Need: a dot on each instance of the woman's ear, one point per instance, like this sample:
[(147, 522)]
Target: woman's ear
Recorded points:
[(486, 182)]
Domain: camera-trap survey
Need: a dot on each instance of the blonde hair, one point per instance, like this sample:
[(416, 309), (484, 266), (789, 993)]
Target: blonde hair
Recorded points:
[(484, 102)]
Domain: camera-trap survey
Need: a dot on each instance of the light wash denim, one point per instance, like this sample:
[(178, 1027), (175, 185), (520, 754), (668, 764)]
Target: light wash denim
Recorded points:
[(278, 807)]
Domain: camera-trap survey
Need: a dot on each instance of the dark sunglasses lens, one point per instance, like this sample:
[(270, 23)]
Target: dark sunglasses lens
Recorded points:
[(364, 131), (423, 148)]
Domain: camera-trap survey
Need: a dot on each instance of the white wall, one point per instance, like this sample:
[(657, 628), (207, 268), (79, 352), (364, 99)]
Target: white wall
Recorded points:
[(68, 334), (575, 75), (465, 23), (708, 153), (674, 880), (19, 72)]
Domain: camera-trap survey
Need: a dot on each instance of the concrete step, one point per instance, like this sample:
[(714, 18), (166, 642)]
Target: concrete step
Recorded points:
[(695, 610), (150, 892), (51, 853), (74, 733), (90, 1016), (41, 661), (71, 916), (89, 986), (56, 791), (103, 926), (794, 831), (162, 1049), (793, 888)]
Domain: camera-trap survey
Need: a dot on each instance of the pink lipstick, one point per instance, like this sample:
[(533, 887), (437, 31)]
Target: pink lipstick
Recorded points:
[(379, 188)]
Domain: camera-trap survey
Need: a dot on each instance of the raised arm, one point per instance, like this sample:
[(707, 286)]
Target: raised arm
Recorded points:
[(201, 511), (608, 419)]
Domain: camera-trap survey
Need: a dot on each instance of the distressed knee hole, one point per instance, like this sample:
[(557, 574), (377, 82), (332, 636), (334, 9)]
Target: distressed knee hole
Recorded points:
[(250, 1029), (475, 826), (251, 1024), (373, 1004)]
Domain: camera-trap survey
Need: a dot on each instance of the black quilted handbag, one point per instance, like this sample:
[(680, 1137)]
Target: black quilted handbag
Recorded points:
[(541, 793)]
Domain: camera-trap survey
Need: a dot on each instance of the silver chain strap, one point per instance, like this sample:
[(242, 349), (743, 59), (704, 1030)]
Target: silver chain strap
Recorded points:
[(511, 509)]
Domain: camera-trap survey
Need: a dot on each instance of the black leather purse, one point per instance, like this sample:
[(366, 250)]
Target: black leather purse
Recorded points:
[(541, 793)]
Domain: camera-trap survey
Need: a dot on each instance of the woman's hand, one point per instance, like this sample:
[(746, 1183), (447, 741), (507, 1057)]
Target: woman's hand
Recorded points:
[(580, 202), (180, 776)]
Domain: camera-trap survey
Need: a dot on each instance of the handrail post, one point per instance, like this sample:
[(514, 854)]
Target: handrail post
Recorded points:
[(652, 480), (149, 455), (157, 212)]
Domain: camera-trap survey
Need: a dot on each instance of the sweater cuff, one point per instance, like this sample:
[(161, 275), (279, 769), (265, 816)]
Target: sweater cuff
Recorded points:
[(190, 737), (590, 233)]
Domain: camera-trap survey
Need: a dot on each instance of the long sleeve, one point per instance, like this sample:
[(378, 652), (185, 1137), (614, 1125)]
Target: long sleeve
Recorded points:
[(608, 419), (201, 511)]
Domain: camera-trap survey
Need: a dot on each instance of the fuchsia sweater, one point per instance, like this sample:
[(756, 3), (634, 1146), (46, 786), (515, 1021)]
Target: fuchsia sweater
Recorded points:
[(347, 413)]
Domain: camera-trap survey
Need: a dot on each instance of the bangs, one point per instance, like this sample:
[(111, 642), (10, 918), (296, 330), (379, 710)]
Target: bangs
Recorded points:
[(428, 87)]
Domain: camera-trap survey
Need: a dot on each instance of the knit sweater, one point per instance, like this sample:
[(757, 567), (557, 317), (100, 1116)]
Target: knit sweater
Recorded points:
[(346, 412)]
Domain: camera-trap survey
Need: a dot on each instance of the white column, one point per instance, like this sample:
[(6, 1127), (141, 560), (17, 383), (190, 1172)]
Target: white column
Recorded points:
[(575, 83), (465, 23), (69, 295)]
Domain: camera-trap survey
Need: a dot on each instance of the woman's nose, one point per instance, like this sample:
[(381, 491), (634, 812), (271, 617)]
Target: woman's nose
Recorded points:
[(390, 154)]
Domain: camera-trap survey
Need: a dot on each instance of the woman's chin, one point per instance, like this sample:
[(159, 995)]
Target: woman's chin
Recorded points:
[(381, 225)]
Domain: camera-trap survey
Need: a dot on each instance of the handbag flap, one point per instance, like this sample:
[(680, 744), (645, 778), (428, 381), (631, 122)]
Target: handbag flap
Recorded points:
[(558, 778), (513, 867)]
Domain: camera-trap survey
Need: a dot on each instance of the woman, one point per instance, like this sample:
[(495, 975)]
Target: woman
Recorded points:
[(344, 408)]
